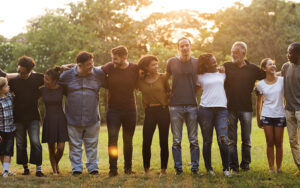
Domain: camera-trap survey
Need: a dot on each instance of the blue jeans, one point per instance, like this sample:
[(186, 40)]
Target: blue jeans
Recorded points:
[(210, 117), (178, 115), (33, 129), (116, 118), (246, 124)]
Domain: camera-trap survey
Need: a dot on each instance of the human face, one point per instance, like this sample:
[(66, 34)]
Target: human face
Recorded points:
[(184, 48), (118, 61), (5, 89), (87, 67), (23, 72), (48, 81), (212, 65), (237, 54), (153, 67), (270, 67)]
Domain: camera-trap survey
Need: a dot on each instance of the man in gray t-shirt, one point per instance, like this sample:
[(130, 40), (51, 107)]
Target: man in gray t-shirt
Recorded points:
[(183, 106), (291, 73)]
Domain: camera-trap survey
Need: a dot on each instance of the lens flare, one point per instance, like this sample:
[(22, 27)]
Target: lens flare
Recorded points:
[(113, 151)]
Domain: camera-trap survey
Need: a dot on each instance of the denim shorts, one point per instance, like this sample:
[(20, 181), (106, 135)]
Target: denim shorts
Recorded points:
[(276, 122), (7, 144)]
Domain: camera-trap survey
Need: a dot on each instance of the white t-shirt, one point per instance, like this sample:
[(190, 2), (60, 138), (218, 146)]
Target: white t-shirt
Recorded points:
[(213, 89), (273, 98)]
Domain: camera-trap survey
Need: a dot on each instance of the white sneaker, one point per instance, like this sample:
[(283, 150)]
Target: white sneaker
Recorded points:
[(5, 174), (227, 173), (211, 172), (10, 173)]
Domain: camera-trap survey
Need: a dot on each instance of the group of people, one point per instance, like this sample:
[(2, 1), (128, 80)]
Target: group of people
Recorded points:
[(226, 99)]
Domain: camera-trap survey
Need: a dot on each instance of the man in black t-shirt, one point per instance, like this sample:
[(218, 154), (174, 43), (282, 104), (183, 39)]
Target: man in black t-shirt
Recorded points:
[(25, 88), (240, 79)]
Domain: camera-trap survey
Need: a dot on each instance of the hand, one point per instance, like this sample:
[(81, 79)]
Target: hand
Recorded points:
[(67, 67), (0, 139), (259, 125), (221, 69)]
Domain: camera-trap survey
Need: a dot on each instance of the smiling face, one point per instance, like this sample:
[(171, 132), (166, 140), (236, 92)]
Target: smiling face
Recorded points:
[(212, 65), (238, 54), (117, 60), (87, 67), (270, 67), (48, 81), (152, 68), (184, 48), (23, 72)]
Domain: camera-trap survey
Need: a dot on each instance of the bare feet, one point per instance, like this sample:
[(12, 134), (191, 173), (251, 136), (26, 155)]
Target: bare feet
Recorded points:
[(163, 172), (147, 170)]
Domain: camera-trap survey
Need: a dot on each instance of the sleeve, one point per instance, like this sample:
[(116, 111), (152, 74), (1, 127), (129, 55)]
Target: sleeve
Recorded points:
[(260, 74), (101, 76), (11, 85), (168, 68), (258, 89), (2, 74), (284, 68)]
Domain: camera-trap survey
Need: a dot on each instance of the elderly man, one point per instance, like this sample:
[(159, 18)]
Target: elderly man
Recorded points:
[(183, 106), (241, 76), (291, 73), (82, 84)]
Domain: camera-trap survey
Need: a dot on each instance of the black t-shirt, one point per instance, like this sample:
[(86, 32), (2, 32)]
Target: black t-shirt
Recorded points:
[(2, 74), (239, 85), (26, 97)]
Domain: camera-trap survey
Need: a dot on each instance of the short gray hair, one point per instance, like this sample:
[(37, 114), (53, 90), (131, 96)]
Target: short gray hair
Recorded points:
[(241, 45)]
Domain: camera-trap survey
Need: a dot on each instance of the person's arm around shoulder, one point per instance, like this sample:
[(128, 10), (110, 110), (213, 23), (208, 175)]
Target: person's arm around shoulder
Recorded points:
[(260, 74), (101, 76), (168, 69)]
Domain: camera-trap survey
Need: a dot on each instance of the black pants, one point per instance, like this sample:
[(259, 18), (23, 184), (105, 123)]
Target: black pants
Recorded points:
[(161, 116), (116, 118)]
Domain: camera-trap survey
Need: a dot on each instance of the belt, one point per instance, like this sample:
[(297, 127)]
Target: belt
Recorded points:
[(156, 105)]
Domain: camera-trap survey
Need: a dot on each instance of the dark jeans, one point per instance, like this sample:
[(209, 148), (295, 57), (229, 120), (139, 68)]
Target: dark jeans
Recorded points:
[(33, 129), (116, 118), (208, 119), (156, 115), (245, 121)]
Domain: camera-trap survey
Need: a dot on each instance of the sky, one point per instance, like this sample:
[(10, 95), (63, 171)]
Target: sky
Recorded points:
[(14, 14)]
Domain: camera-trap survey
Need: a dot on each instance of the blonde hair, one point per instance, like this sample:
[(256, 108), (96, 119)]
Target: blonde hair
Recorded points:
[(241, 45), (3, 82)]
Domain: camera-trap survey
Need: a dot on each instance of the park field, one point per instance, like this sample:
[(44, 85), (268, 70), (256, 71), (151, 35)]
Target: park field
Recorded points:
[(258, 176)]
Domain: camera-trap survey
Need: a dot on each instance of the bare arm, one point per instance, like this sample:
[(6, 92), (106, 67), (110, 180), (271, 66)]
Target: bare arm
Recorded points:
[(258, 109), (11, 75)]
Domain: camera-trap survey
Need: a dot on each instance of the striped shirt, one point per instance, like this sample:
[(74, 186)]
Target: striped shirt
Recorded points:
[(6, 114)]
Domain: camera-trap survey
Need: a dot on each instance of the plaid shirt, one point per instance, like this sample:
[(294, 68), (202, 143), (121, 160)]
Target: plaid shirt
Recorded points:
[(6, 114)]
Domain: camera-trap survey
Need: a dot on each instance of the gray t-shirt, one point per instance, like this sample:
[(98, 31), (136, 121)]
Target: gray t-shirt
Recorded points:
[(291, 74), (184, 77)]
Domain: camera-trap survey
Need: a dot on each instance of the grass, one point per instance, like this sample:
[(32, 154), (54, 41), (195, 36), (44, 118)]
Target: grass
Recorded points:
[(258, 176)]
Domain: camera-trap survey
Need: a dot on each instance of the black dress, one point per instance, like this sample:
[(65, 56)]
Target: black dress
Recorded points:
[(55, 123)]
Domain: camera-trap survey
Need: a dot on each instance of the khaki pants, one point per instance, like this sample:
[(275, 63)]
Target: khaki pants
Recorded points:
[(293, 127)]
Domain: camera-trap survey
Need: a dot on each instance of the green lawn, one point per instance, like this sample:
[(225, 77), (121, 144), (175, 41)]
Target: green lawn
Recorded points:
[(258, 176)]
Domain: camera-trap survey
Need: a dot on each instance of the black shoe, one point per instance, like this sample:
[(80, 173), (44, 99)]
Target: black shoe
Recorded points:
[(178, 172), (75, 173), (26, 172), (39, 174), (112, 173), (247, 168), (129, 171), (194, 172), (95, 172)]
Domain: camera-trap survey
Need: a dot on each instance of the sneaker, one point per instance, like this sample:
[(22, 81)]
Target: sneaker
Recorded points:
[(227, 173), (95, 172), (5, 174), (39, 174), (297, 173), (211, 172), (129, 171), (178, 172), (112, 173), (26, 172), (75, 173), (10, 173)]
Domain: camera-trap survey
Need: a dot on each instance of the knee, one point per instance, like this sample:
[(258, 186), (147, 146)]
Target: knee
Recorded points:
[(270, 144), (176, 142), (194, 142)]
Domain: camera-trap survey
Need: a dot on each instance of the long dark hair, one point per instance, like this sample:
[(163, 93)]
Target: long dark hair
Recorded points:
[(54, 72), (203, 62), (144, 62)]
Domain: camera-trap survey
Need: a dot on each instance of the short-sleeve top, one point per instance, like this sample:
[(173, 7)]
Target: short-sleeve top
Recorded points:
[(273, 98)]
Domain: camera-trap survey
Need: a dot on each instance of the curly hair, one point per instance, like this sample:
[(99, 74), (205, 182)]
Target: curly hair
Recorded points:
[(293, 52), (144, 62), (203, 62), (26, 62)]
